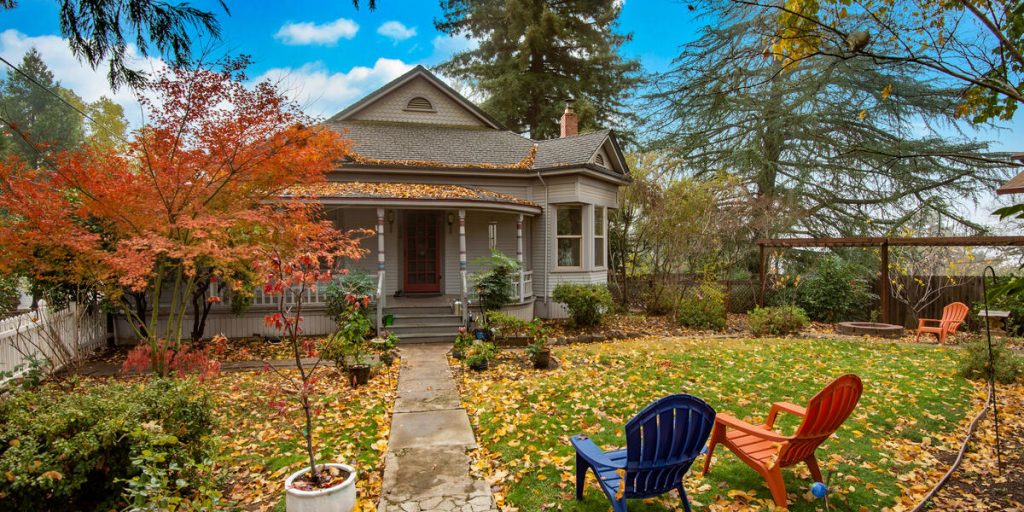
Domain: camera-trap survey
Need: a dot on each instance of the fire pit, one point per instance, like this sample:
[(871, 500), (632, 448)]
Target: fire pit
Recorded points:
[(870, 329)]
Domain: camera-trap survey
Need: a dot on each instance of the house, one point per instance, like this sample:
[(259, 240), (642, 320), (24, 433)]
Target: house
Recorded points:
[(442, 183), (1016, 184)]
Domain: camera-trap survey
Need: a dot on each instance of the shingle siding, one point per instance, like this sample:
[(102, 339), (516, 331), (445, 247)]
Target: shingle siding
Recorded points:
[(392, 107)]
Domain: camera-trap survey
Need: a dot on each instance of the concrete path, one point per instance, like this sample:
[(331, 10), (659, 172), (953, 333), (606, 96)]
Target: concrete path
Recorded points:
[(426, 467)]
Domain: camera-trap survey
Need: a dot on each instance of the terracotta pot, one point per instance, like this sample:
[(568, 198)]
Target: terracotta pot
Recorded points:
[(339, 498), (542, 359), (359, 373)]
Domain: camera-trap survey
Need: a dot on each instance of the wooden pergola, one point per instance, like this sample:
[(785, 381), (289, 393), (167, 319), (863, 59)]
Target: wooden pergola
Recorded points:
[(882, 243)]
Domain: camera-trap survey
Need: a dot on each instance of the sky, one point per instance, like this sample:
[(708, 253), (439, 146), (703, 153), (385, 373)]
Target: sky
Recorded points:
[(327, 54)]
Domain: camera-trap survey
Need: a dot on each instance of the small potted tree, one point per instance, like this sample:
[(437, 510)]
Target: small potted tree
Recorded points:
[(479, 355), (303, 256), (538, 349)]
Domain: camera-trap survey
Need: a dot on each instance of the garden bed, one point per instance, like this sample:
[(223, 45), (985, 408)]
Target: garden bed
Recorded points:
[(883, 456)]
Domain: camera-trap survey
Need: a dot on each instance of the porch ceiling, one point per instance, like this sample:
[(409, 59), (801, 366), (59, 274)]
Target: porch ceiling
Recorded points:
[(413, 195)]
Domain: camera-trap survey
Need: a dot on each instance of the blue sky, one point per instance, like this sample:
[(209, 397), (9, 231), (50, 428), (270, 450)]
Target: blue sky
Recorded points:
[(326, 54)]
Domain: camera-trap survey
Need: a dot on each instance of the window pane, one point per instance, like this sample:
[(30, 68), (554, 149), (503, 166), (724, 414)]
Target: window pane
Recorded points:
[(568, 252), (492, 235), (599, 252), (598, 221), (570, 220)]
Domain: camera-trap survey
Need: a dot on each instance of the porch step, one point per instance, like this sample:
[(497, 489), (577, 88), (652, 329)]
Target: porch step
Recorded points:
[(431, 330), (401, 311)]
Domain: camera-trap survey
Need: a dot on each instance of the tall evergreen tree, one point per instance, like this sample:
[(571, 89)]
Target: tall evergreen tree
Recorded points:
[(827, 146), (534, 55), (34, 121)]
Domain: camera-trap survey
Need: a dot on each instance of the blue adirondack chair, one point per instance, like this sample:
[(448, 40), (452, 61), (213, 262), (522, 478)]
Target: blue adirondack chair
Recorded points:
[(661, 444)]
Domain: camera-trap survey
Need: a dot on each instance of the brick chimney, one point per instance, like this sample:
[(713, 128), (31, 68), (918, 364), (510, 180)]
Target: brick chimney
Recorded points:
[(570, 123)]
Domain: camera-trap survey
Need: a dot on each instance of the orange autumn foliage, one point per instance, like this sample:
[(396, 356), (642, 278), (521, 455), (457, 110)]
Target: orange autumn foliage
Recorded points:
[(192, 195)]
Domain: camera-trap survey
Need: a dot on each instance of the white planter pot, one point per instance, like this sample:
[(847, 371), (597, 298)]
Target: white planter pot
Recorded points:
[(340, 498)]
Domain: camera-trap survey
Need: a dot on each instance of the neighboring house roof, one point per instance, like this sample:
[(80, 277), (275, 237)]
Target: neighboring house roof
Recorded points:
[(386, 132), (407, 192), (1016, 184)]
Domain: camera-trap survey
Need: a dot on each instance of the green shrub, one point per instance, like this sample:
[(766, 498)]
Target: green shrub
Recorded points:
[(974, 362), (494, 286), (703, 307), (587, 303), (339, 293), (10, 297), (506, 324), (105, 445), (777, 321), (835, 291)]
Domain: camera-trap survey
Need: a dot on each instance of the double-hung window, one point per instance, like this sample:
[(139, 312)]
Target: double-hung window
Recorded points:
[(569, 236), (599, 236)]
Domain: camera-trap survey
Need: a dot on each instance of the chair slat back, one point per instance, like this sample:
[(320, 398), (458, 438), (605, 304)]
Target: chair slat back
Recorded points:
[(662, 442), (954, 313), (826, 412)]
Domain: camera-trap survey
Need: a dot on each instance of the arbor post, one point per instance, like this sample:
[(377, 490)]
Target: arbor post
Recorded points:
[(883, 283), (763, 274)]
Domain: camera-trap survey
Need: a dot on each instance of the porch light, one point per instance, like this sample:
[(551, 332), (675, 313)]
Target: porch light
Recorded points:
[(451, 220), (391, 218)]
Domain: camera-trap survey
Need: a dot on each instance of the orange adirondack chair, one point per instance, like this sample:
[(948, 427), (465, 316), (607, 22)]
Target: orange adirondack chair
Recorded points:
[(767, 451), (953, 316)]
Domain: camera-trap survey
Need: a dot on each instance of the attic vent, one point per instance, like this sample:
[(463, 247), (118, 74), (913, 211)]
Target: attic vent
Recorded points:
[(419, 104), (599, 160)]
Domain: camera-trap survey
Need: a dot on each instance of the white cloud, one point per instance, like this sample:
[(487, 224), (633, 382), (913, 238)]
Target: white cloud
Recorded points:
[(321, 92), (90, 84), (308, 33), (396, 31)]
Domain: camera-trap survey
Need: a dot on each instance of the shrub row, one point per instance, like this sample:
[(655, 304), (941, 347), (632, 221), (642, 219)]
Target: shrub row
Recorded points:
[(107, 446)]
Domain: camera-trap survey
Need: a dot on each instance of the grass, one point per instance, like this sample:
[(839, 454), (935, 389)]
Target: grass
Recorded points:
[(913, 402), (258, 448)]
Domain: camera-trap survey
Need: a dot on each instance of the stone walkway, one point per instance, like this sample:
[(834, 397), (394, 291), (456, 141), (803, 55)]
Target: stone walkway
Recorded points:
[(427, 467)]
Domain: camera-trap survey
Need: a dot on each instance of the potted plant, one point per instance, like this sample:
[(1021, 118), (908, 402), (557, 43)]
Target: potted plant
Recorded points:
[(538, 350), (310, 256), (479, 354), (462, 342), (385, 347)]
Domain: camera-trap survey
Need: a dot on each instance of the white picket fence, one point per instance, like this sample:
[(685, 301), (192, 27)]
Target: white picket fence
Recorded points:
[(54, 336)]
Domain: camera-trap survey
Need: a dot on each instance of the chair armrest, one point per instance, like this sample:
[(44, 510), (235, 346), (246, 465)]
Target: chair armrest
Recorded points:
[(922, 321), (754, 430), (778, 407), (591, 453)]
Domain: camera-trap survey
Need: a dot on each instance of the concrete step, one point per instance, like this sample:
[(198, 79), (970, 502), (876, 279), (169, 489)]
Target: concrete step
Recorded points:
[(432, 321), (425, 338), (442, 330), (418, 310)]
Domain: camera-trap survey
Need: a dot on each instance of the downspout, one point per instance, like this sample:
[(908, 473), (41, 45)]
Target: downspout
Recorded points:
[(547, 236)]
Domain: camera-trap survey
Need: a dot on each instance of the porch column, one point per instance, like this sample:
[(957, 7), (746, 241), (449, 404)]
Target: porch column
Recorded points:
[(462, 266), (519, 258), (380, 268)]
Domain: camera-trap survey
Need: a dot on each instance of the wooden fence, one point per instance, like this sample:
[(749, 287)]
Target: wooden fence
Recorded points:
[(55, 336), (742, 295)]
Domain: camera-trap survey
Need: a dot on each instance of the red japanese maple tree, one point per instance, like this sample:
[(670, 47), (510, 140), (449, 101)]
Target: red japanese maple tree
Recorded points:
[(193, 196)]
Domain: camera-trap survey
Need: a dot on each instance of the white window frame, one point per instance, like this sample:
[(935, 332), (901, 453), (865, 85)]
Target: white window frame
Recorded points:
[(492, 235), (603, 237), (581, 236)]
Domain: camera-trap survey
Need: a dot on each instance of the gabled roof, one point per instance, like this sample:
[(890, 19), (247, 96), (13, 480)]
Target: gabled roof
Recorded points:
[(418, 71), (1016, 184)]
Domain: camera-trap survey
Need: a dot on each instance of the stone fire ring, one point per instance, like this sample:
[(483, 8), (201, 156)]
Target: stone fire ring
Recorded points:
[(870, 329)]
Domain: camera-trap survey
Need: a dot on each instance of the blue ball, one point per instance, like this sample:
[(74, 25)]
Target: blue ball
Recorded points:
[(819, 490)]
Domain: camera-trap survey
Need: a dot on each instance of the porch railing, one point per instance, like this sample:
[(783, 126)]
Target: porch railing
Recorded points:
[(522, 285), (310, 297)]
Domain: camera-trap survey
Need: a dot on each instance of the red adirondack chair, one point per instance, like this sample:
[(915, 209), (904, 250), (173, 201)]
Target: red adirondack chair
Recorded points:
[(767, 451), (953, 316)]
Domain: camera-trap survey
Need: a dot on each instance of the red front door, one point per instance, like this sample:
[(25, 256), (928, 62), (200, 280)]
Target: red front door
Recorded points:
[(422, 252)]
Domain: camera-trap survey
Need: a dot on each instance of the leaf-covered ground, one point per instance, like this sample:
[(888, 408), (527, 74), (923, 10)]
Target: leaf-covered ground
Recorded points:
[(913, 407), (259, 448)]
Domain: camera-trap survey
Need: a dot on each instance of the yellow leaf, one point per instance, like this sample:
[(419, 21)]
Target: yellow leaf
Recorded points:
[(886, 92)]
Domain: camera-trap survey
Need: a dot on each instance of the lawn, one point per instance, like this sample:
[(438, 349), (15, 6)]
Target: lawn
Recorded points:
[(258, 448), (912, 406)]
